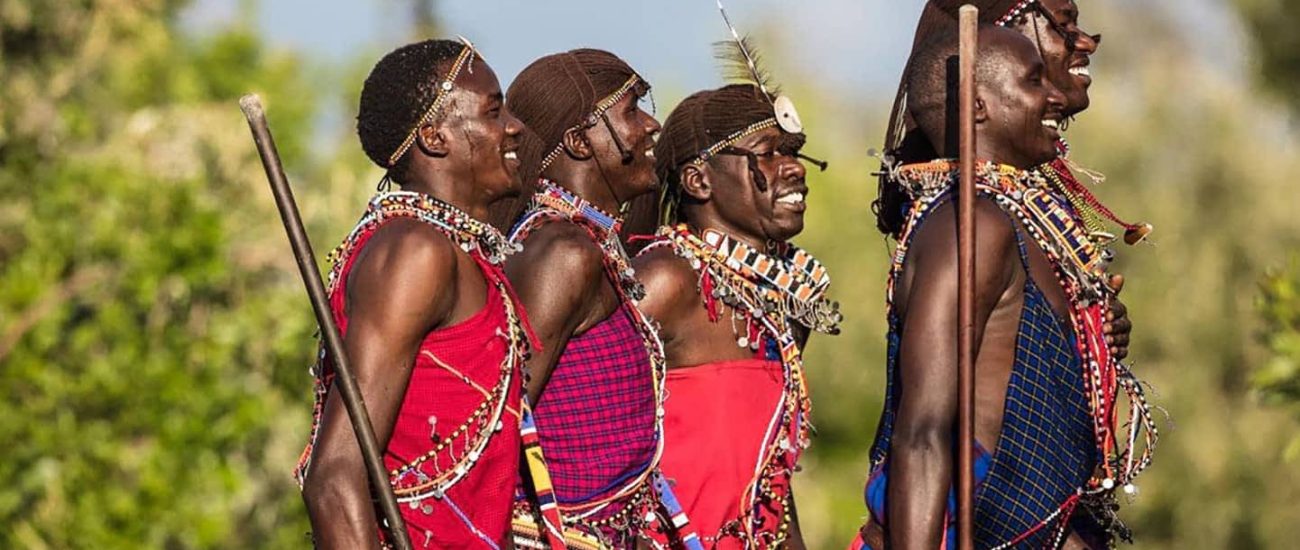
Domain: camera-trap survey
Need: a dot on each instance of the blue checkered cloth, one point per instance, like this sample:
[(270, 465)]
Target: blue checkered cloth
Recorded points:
[(1046, 449)]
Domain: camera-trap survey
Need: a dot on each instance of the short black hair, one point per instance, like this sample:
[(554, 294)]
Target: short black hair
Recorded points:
[(396, 95), (932, 80)]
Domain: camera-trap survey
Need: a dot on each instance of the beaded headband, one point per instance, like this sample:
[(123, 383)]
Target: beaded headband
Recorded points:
[(734, 138), (444, 89), (1014, 12), (601, 107)]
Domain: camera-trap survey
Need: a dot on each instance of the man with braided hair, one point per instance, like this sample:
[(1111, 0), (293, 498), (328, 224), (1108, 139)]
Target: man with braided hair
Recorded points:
[(1048, 455), (436, 338), (735, 301), (597, 382)]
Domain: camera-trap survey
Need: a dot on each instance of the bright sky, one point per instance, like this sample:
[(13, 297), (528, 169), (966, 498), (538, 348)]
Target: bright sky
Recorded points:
[(857, 46), (862, 43)]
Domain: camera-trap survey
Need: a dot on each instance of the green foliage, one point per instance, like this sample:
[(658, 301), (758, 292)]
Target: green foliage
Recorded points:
[(153, 349), (1272, 26), (1278, 380)]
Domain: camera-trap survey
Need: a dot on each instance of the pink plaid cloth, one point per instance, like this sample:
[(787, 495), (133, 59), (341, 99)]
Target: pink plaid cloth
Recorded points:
[(596, 418)]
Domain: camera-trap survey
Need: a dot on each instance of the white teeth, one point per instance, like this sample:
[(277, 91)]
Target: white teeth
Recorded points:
[(1052, 124), (649, 153), (792, 198), (512, 155), (1080, 71)]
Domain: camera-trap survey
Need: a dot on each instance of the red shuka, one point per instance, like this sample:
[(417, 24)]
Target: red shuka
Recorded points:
[(716, 429), (456, 369)]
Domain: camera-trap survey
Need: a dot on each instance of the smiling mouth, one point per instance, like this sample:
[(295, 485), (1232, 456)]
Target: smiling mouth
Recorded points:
[(794, 197), (511, 155)]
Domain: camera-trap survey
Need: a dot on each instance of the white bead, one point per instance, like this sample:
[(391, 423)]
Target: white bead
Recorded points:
[(1130, 488), (1108, 484)]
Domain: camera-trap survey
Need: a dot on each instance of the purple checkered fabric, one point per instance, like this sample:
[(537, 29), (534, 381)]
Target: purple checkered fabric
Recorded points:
[(596, 418)]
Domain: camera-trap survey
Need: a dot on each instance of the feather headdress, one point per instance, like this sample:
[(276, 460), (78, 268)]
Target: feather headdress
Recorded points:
[(741, 62)]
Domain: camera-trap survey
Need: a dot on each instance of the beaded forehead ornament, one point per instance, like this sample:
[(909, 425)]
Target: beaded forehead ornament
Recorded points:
[(462, 62), (634, 84)]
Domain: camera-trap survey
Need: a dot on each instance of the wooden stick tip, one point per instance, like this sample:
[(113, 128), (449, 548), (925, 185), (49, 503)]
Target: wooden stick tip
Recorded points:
[(968, 8), (252, 106)]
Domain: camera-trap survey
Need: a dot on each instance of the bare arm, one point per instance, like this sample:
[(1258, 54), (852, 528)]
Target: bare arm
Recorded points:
[(400, 289), (558, 278), (921, 453)]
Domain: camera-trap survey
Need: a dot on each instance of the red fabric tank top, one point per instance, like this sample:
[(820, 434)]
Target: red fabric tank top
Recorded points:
[(454, 422)]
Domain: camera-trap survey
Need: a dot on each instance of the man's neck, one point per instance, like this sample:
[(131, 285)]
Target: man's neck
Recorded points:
[(587, 182)]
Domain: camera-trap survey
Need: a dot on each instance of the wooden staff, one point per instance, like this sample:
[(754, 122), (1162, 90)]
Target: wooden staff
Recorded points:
[(968, 38), (347, 385)]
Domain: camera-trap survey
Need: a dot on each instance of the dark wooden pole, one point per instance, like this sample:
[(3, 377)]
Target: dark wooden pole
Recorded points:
[(968, 37), (302, 252)]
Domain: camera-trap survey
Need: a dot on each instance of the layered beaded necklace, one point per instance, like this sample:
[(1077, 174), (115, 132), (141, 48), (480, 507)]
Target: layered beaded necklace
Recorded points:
[(556, 203), (768, 292), (1080, 269), (454, 452)]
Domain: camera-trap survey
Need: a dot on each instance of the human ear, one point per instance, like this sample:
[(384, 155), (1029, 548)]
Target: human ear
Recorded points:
[(433, 140), (576, 143), (695, 183)]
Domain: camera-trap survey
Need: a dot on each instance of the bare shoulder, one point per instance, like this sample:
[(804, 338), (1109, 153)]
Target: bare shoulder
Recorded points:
[(995, 233), (670, 282), (558, 252), (407, 268), (662, 271)]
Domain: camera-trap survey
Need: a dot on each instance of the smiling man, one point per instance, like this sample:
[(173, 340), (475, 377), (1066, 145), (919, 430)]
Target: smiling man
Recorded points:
[(1043, 466), (735, 301), (1067, 49), (597, 382), (435, 337)]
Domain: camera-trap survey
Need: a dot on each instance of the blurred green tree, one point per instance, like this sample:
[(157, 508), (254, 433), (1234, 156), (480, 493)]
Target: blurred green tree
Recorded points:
[(1272, 25), (153, 336)]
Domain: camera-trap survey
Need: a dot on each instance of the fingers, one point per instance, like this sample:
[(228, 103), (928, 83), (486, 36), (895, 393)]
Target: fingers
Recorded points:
[(1117, 283)]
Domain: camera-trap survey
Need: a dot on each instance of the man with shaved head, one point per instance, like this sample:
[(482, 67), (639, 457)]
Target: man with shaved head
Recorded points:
[(1044, 471)]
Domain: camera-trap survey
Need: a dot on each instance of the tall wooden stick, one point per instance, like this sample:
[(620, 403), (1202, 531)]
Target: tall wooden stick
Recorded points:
[(968, 37), (302, 252)]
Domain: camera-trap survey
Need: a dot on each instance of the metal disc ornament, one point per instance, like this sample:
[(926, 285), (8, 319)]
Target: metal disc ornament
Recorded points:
[(786, 115)]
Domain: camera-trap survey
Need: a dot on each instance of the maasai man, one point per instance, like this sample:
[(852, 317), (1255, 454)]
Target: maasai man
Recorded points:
[(1053, 26), (735, 301), (598, 381), (435, 336), (1047, 458)]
